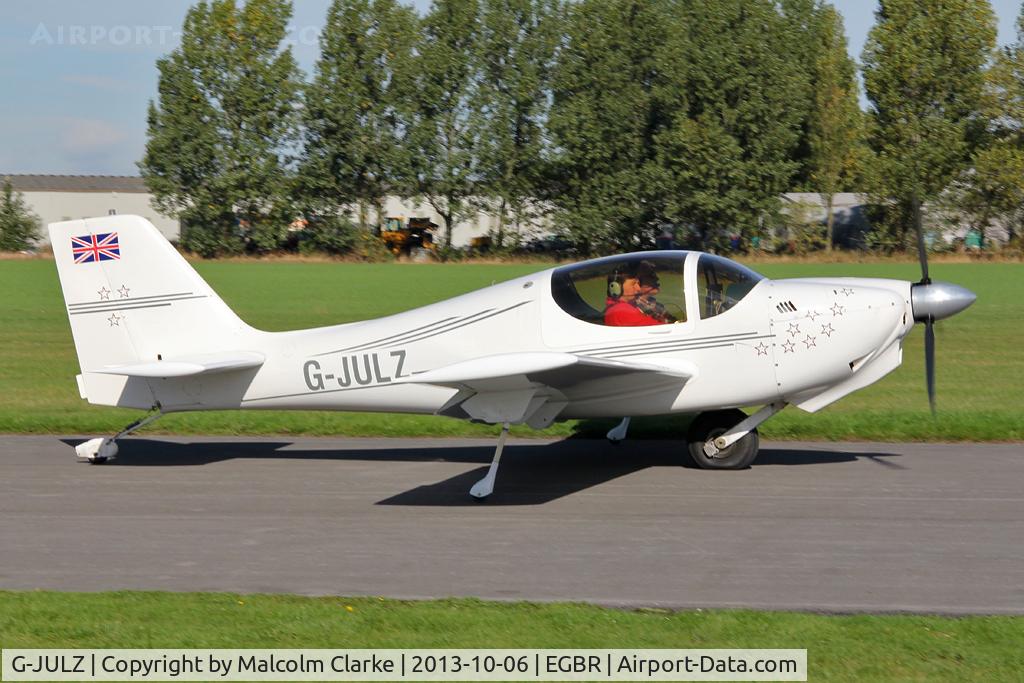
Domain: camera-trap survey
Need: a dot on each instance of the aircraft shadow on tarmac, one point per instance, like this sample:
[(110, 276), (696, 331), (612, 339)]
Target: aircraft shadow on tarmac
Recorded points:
[(530, 474)]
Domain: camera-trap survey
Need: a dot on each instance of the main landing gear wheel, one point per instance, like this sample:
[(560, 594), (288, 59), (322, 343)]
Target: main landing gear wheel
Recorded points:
[(707, 426)]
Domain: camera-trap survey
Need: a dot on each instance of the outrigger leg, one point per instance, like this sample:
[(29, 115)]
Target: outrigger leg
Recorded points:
[(100, 450), (731, 436), (618, 433), (485, 486)]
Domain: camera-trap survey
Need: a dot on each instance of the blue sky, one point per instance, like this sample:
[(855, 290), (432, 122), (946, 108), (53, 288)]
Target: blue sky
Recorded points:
[(76, 77)]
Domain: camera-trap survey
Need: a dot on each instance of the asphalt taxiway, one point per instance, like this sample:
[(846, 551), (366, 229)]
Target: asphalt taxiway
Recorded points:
[(935, 528)]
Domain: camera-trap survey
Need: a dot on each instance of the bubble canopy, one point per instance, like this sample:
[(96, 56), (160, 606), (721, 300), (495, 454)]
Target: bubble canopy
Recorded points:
[(648, 288)]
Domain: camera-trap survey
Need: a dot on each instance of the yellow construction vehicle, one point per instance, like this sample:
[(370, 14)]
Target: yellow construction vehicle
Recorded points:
[(401, 236)]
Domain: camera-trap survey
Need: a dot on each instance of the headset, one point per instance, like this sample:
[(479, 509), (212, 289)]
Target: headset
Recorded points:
[(615, 284)]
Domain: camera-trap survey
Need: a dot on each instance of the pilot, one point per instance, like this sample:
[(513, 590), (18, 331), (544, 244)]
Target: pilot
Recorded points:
[(632, 299)]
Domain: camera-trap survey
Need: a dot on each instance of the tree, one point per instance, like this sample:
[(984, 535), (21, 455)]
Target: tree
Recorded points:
[(609, 91), (516, 50), (19, 227), (992, 189), (803, 24), (730, 151), (224, 126), (1005, 92), (444, 134), (355, 109), (923, 75), (836, 126)]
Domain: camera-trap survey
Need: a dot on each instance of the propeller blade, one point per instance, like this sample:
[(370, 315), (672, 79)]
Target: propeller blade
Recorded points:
[(929, 360), (922, 253)]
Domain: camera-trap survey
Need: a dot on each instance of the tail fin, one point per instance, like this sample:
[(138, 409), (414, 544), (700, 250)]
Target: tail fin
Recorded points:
[(133, 300)]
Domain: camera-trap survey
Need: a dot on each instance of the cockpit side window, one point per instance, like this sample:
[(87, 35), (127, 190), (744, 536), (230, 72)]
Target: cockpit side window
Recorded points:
[(623, 291), (722, 283)]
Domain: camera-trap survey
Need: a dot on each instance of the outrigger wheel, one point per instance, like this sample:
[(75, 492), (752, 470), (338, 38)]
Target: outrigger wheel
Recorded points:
[(707, 426)]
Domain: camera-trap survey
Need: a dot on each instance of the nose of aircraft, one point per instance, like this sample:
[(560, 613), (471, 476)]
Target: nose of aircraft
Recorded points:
[(938, 300)]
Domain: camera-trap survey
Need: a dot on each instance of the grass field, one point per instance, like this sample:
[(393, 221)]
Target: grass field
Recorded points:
[(980, 365), (839, 648)]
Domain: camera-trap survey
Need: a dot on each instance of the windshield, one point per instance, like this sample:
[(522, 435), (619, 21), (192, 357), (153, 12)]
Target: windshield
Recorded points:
[(721, 284)]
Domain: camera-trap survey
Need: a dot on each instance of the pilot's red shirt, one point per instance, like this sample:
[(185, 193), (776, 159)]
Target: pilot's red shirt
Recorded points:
[(624, 314)]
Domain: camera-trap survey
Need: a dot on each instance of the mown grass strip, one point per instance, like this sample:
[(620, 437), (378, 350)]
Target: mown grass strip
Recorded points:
[(840, 648)]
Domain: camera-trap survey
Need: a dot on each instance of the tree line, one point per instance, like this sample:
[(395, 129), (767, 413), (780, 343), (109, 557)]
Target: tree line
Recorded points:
[(610, 120)]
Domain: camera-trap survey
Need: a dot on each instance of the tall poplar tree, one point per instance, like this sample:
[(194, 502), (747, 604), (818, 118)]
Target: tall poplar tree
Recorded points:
[(923, 73), (730, 151), (516, 50), (224, 126), (802, 22), (1005, 104), (609, 90), (836, 131), (356, 107), (992, 189), (444, 132)]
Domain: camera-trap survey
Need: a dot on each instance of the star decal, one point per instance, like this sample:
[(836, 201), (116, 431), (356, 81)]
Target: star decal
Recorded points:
[(789, 346), (115, 320), (809, 341), (812, 315), (846, 291), (104, 293), (762, 349), (837, 310), (794, 329), (123, 291), (827, 330)]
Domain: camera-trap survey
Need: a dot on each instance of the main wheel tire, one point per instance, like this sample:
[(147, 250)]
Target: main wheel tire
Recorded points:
[(738, 456)]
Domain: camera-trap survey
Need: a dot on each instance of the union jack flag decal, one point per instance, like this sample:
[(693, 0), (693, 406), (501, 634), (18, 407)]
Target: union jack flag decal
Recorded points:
[(92, 248)]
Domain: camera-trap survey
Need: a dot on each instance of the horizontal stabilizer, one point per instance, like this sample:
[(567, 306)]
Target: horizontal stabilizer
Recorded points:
[(185, 366)]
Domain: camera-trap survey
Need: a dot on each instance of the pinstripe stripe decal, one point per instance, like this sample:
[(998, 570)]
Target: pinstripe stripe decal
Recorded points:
[(468, 322), (135, 302), (736, 336), (409, 336), (391, 338), (438, 329), (720, 343), (107, 302)]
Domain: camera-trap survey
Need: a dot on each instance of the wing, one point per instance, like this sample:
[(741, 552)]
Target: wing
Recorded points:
[(535, 387), (185, 366)]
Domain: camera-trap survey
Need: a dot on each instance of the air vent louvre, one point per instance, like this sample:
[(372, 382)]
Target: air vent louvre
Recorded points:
[(786, 307)]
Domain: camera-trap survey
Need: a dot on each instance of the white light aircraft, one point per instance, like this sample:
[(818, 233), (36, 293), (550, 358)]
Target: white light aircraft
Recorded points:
[(650, 333)]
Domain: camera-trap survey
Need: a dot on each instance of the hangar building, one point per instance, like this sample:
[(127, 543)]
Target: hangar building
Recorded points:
[(57, 198), (67, 197)]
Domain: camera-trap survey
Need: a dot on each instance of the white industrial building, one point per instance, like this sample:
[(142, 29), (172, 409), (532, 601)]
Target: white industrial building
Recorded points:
[(56, 198)]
